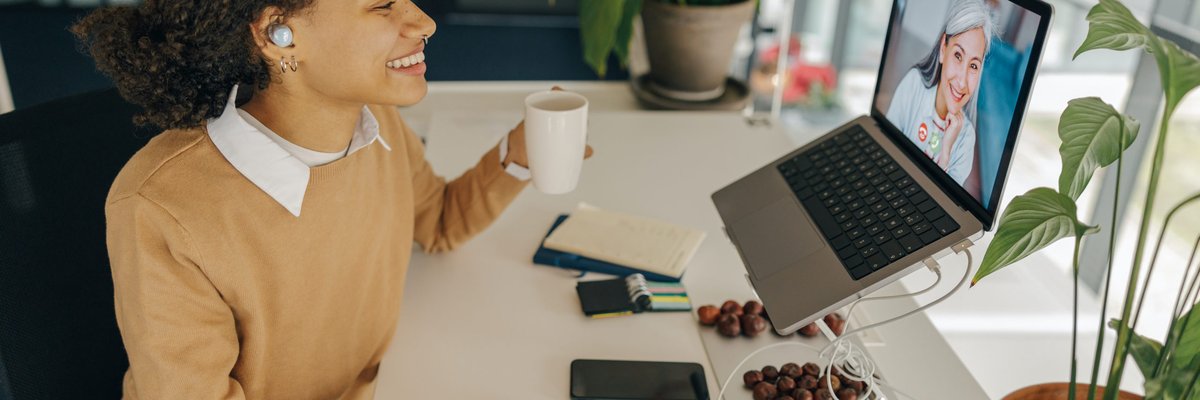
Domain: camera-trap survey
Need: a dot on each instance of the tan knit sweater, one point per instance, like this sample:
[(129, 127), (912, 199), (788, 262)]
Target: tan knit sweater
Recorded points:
[(221, 293)]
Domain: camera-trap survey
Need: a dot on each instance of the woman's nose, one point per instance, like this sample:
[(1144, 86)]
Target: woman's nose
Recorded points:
[(419, 26), (961, 76)]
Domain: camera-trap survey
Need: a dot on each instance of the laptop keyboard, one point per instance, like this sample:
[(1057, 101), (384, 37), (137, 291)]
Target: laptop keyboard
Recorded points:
[(869, 209)]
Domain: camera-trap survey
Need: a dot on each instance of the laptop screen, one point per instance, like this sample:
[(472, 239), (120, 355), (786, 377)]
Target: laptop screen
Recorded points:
[(950, 82)]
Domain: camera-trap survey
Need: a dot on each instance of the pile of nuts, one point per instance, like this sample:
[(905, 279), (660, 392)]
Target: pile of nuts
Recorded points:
[(733, 319), (834, 321), (795, 382)]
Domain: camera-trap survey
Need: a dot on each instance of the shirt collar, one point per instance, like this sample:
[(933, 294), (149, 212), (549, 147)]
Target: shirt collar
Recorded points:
[(268, 165)]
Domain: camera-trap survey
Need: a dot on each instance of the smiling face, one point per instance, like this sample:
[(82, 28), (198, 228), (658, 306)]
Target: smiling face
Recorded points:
[(962, 64), (362, 51)]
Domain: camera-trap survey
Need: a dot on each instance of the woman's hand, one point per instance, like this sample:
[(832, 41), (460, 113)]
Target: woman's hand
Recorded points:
[(954, 125), (516, 145)]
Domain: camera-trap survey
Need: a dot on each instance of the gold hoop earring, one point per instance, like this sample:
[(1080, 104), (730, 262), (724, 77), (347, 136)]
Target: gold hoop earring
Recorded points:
[(284, 64)]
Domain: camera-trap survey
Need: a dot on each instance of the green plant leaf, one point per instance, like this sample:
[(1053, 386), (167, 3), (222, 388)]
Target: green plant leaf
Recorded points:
[(625, 30), (599, 21), (1185, 357), (1182, 362), (1031, 222), (1090, 130), (1145, 351), (1112, 26), (1178, 70)]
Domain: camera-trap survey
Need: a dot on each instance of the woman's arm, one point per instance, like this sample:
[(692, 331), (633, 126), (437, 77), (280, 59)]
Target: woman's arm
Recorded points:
[(902, 98), (179, 334), (447, 214), (961, 153)]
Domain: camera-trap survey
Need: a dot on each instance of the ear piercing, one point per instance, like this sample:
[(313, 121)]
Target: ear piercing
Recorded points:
[(284, 65), (281, 35)]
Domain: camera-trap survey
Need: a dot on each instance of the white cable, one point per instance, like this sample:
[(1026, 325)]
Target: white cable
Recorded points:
[(938, 279), (861, 362), (737, 368), (855, 363)]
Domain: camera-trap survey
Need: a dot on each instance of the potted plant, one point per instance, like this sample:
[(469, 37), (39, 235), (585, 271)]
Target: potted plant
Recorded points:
[(689, 42), (1095, 135)]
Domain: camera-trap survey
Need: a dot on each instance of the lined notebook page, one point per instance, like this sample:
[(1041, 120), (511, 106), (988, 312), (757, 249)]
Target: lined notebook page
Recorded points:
[(633, 241)]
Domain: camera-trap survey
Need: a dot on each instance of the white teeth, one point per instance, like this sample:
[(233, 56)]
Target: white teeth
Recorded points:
[(405, 62)]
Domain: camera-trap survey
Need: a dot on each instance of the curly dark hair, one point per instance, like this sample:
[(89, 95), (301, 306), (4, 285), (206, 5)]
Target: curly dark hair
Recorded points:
[(178, 59)]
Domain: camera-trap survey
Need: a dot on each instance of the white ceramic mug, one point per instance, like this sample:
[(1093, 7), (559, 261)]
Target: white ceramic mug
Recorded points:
[(555, 139)]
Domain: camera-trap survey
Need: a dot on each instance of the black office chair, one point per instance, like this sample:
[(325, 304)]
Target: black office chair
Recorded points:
[(58, 330)]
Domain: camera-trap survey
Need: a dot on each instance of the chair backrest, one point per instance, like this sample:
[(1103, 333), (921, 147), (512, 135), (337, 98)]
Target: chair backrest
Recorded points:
[(58, 331)]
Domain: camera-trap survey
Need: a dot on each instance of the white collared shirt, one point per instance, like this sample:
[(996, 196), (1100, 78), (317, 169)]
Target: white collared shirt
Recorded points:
[(281, 168), (309, 157), (267, 163)]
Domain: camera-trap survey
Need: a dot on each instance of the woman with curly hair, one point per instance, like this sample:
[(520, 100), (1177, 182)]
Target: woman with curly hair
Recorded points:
[(259, 245)]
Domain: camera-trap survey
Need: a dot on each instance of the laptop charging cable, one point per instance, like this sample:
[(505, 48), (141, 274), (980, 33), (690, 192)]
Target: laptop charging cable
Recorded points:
[(854, 363)]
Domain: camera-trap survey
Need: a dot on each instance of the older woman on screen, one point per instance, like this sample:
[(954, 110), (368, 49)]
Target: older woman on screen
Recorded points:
[(934, 104)]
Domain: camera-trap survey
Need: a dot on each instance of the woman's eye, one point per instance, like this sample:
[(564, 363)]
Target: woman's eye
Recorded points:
[(958, 56), (975, 66), (386, 6)]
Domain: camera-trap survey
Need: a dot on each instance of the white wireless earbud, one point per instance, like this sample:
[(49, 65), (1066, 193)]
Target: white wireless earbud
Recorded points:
[(281, 35)]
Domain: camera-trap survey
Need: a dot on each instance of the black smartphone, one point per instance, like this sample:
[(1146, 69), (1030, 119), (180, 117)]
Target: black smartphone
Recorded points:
[(637, 380)]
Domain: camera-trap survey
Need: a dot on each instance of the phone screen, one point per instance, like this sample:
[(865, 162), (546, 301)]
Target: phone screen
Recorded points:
[(613, 379)]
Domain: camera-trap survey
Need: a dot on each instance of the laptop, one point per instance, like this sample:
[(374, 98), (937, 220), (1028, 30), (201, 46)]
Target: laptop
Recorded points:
[(865, 204)]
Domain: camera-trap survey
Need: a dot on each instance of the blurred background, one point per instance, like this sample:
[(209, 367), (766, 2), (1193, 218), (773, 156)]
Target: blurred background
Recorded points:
[(833, 57)]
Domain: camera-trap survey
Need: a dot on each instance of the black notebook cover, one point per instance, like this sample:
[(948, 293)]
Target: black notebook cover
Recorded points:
[(604, 297)]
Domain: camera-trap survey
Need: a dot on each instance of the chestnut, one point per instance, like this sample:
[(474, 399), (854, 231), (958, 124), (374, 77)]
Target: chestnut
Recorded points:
[(731, 307), (753, 307), (785, 397), (811, 369), (838, 327), (770, 373), (808, 382), (752, 378), (785, 384), (801, 394), (791, 370), (822, 394), (810, 330), (833, 317), (752, 325), (728, 325), (847, 394), (858, 386), (826, 382), (764, 391), (708, 314)]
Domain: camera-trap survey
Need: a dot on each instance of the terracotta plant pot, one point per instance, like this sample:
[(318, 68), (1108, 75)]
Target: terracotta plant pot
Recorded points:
[(690, 47), (1058, 391)]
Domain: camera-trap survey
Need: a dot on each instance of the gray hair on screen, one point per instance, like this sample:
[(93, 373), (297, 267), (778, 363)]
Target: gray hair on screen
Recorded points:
[(963, 15)]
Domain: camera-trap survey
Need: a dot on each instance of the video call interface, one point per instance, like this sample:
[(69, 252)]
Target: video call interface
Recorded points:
[(951, 79)]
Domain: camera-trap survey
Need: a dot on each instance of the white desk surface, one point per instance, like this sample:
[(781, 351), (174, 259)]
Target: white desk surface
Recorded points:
[(483, 321)]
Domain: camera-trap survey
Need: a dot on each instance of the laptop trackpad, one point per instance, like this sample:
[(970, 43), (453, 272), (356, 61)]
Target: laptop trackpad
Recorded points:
[(776, 236)]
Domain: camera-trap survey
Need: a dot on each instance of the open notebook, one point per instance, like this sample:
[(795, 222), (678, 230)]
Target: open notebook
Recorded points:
[(643, 243)]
